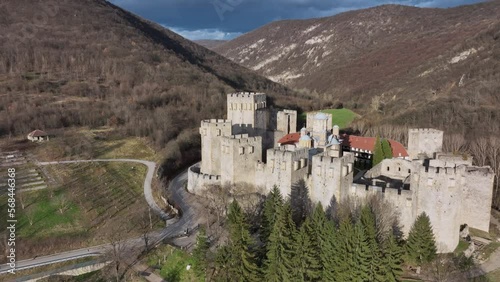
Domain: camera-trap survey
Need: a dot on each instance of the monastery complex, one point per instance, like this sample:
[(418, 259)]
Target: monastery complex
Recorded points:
[(259, 146)]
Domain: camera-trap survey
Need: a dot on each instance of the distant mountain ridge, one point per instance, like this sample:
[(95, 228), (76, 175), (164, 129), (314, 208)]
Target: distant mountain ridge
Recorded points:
[(403, 65)]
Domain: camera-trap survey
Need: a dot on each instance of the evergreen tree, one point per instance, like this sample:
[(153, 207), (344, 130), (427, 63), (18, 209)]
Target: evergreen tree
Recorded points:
[(378, 152), (362, 255), (421, 245), (367, 221), (321, 232), (222, 262), (306, 264), (273, 203), (242, 266), (386, 148), (279, 262), (200, 253), (392, 260), (345, 251)]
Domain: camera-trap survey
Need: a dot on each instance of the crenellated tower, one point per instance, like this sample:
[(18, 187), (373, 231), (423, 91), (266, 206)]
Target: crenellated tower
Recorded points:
[(211, 132)]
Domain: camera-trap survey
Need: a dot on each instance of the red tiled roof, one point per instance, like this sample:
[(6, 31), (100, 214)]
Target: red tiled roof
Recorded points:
[(291, 138), (368, 143), (37, 133)]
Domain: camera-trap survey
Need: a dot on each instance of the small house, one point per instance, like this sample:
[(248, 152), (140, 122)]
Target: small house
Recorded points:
[(38, 135)]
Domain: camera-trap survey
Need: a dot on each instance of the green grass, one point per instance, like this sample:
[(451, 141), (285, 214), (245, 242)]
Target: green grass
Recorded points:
[(173, 263), (340, 117), (461, 247), (479, 233)]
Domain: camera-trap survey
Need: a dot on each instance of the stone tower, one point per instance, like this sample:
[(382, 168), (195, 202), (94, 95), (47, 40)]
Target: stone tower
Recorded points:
[(321, 125), (211, 133), (248, 112), (424, 142)]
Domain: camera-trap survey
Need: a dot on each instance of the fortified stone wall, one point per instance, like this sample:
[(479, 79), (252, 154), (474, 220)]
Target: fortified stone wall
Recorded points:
[(439, 195), (394, 168), (448, 159), (211, 133), (198, 182), (477, 196), (285, 168), (239, 155), (424, 141), (330, 177)]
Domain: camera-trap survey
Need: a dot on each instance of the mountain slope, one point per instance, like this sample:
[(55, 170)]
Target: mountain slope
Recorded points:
[(398, 64), (88, 62), (210, 43)]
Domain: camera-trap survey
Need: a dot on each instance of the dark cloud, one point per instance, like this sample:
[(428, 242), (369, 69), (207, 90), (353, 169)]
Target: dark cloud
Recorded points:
[(229, 18)]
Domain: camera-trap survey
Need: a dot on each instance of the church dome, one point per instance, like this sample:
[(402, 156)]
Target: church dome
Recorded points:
[(305, 138)]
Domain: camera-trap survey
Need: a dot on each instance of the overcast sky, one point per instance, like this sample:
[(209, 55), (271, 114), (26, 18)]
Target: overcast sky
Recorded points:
[(226, 19)]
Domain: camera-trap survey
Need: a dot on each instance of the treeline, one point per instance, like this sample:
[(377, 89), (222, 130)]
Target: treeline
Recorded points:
[(299, 243)]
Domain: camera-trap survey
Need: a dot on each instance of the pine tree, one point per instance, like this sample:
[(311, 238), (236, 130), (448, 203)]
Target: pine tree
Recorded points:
[(421, 245), (273, 203), (306, 264), (321, 232), (242, 266), (367, 221), (362, 255), (345, 267), (386, 148), (392, 260), (200, 253), (378, 152), (279, 262)]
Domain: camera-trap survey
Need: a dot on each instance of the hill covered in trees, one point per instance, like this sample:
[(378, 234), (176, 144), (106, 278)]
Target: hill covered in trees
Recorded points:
[(90, 63), (394, 64)]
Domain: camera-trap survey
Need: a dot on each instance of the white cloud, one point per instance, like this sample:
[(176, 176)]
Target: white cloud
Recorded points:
[(209, 33)]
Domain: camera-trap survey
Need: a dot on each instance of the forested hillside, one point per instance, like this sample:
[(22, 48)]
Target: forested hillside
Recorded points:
[(393, 64), (89, 63)]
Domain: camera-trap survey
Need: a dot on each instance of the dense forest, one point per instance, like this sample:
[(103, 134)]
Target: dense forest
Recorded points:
[(302, 242)]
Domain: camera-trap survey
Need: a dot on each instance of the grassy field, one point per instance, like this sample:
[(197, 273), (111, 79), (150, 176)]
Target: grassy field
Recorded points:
[(171, 264), (340, 117)]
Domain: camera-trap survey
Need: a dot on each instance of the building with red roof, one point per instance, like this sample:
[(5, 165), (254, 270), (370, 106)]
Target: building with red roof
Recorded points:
[(38, 135)]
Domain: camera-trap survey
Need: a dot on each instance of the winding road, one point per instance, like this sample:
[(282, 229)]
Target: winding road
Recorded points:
[(178, 195)]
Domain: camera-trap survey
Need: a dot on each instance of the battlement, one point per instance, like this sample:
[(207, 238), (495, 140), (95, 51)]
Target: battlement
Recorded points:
[(281, 151), (424, 130), (215, 123), (241, 139), (245, 95), (198, 181)]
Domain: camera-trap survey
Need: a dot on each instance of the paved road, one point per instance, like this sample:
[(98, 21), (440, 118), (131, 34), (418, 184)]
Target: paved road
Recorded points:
[(178, 195)]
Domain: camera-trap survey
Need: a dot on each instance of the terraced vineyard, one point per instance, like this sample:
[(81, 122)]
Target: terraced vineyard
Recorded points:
[(86, 202)]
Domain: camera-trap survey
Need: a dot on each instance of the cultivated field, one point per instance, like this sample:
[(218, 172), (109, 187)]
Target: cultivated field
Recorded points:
[(69, 206)]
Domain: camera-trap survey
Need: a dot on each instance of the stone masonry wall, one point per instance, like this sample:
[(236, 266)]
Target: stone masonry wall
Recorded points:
[(477, 196), (330, 177), (424, 141), (211, 132), (239, 155), (439, 195), (198, 182), (285, 168)]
